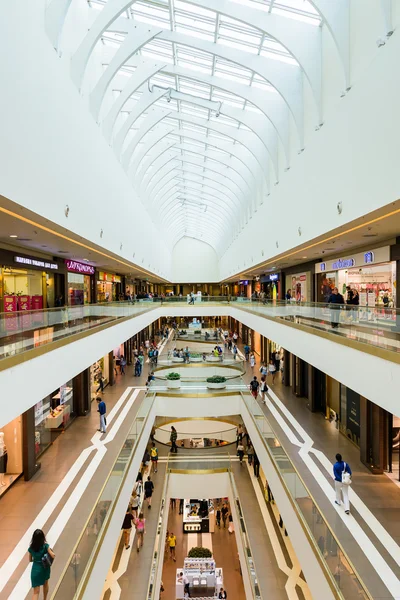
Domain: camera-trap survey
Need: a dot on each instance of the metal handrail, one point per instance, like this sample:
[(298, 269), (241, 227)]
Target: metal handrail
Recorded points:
[(92, 559), (313, 542)]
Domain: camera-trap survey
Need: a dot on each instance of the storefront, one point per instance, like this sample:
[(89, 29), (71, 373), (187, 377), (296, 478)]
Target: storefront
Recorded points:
[(99, 371), (11, 460), (350, 415), (29, 283), (198, 516), (80, 282), (108, 287), (372, 274), (299, 285), (271, 286)]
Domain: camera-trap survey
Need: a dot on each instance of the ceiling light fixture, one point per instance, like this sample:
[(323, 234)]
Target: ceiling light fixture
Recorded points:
[(13, 235)]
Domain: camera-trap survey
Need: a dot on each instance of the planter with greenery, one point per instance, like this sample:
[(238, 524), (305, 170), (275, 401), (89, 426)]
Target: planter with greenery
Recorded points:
[(213, 358), (216, 382), (197, 332), (199, 552), (173, 380), (196, 357)]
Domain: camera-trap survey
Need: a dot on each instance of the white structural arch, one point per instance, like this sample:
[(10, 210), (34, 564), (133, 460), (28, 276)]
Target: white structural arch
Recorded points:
[(203, 103)]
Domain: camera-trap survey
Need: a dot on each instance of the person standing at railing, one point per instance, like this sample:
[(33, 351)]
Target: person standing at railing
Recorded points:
[(288, 296), (335, 299)]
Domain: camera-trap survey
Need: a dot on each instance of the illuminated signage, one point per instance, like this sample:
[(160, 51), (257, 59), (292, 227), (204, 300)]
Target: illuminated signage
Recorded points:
[(244, 282), (77, 267), (322, 267), (34, 262), (274, 277), (346, 263), (369, 257)]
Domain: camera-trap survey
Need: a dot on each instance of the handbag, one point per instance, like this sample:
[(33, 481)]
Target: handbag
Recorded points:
[(47, 560), (346, 477)]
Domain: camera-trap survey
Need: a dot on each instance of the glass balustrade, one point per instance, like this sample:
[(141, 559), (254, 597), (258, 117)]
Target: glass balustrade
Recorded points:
[(81, 560), (336, 563)]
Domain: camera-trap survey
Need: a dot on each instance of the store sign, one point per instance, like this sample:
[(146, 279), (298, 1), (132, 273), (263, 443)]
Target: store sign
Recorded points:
[(322, 267), (345, 263), (244, 282), (369, 257), (108, 277), (34, 262), (77, 267), (270, 277)]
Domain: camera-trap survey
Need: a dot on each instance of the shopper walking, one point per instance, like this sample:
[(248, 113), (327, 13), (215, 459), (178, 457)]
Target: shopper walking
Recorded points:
[(224, 514), (173, 438), (127, 527), (218, 517), (102, 409), (254, 385), (272, 369), (246, 351), (140, 525), (250, 453), (235, 351), (240, 452), (222, 594), (148, 491), (39, 551), (100, 381), (172, 545), (252, 360), (263, 388), (342, 476), (154, 456), (122, 365), (181, 506)]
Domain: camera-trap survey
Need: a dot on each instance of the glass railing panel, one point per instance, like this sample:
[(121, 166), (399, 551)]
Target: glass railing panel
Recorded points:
[(84, 553), (24, 330), (376, 326), (341, 572)]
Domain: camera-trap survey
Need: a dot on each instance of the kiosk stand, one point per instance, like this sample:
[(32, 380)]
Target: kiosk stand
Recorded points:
[(204, 578)]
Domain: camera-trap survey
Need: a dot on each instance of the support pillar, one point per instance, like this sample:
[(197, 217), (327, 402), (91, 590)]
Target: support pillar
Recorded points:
[(81, 393), (286, 367), (111, 373), (28, 450)]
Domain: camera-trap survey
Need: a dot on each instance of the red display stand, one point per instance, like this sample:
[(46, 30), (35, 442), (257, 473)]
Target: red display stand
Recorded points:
[(10, 307)]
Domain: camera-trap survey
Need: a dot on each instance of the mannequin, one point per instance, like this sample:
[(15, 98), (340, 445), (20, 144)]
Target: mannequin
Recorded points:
[(3, 459)]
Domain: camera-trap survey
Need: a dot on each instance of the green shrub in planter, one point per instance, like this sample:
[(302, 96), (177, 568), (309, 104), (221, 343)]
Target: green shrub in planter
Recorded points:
[(183, 332), (199, 552), (198, 332), (173, 376), (195, 354), (216, 379)]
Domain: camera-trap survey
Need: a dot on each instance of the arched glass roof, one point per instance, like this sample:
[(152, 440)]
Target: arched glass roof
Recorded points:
[(198, 99)]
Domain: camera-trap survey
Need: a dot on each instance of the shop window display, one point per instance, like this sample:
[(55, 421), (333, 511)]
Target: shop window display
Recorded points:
[(42, 434), (61, 408), (10, 453), (99, 372)]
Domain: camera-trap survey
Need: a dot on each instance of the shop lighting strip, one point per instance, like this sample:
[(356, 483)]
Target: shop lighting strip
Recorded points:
[(324, 241), (81, 244)]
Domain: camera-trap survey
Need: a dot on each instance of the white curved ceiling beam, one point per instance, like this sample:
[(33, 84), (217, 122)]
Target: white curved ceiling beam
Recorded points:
[(155, 116), (54, 20), (301, 40), (154, 165), (272, 105), (175, 220), (144, 71), (220, 183), (224, 172), (152, 139), (135, 39), (216, 201), (246, 138), (142, 105), (218, 218), (111, 11), (216, 224), (336, 16), (285, 78), (238, 153), (256, 123)]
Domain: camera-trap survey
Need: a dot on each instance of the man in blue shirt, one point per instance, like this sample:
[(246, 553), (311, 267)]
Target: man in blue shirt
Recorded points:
[(102, 409), (340, 487)]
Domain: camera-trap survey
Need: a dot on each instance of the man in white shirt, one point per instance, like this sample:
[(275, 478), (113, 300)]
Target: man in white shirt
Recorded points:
[(186, 586)]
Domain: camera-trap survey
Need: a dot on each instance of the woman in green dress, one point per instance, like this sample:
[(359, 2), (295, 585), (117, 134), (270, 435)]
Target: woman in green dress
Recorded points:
[(40, 574)]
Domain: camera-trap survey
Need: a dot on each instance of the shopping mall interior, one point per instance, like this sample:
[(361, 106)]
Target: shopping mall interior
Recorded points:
[(199, 326)]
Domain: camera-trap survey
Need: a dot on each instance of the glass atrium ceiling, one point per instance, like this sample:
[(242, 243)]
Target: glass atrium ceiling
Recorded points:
[(197, 98)]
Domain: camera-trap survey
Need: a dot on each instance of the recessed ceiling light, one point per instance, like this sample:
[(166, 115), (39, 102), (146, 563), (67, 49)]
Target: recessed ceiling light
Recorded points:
[(273, 267), (86, 259), (304, 257), (13, 236)]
